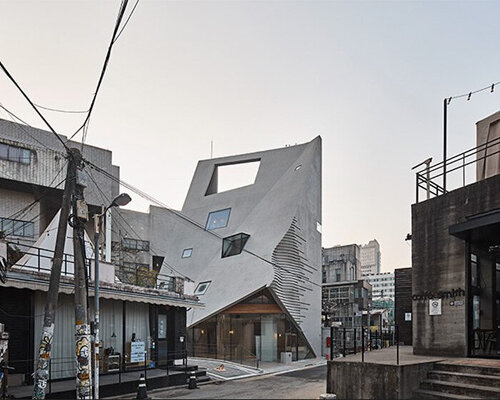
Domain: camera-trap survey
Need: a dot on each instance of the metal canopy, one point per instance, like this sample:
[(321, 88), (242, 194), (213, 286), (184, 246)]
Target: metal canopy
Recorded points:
[(482, 228)]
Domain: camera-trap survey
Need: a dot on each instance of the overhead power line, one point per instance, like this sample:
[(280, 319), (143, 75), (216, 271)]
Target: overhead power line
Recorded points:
[(126, 21), (61, 111), (2, 66), (121, 12)]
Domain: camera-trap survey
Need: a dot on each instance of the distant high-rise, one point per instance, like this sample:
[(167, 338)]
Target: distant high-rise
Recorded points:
[(370, 258)]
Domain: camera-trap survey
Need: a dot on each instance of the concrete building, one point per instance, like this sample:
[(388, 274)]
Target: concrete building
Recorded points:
[(254, 253), (32, 170), (341, 263), (370, 258), (382, 285), (343, 303), (456, 253)]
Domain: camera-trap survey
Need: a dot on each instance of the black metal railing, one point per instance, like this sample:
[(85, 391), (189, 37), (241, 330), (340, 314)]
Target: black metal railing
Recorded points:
[(428, 177), (346, 341), (141, 277)]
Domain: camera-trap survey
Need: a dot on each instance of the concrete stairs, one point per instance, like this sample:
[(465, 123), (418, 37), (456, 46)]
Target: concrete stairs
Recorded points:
[(449, 380)]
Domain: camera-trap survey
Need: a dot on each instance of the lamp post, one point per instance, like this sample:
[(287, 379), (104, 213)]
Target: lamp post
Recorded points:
[(121, 200)]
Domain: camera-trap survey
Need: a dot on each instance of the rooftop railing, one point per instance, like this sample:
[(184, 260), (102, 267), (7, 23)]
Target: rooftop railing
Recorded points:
[(462, 168)]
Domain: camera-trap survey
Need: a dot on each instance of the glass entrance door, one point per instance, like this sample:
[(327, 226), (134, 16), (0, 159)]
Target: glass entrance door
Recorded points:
[(484, 304)]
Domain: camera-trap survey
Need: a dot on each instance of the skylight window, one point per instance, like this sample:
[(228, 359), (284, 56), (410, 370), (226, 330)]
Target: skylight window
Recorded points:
[(202, 288), (234, 245), (218, 219)]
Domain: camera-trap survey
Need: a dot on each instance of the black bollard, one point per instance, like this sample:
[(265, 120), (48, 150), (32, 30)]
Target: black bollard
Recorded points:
[(192, 381), (142, 393)]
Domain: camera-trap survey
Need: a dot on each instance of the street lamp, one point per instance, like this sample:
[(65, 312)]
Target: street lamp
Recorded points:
[(121, 200)]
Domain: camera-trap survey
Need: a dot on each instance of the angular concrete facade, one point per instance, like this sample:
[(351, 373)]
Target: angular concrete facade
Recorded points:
[(281, 213)]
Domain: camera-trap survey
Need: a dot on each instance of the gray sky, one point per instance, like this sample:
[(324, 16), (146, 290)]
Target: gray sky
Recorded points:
[(369, 77)]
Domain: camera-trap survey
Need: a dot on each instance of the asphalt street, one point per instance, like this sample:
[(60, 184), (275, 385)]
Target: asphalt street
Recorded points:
[(303, 384)]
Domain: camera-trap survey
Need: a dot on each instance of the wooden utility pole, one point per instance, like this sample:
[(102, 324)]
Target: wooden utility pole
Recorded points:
[(44, 352), (82, 336)]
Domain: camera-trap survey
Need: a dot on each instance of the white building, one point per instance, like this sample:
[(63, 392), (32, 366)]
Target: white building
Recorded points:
[(370, 258), (382, 285)]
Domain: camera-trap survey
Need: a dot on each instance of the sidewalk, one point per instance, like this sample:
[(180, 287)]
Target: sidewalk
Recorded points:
[(388, 356), (238, 371)]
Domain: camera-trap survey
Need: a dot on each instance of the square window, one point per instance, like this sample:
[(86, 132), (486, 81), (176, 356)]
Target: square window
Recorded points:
[(15, 153), (202, 288), (218, 219), (233, 245), (186, 253), (29, 229), (4, 151), (18, 228)]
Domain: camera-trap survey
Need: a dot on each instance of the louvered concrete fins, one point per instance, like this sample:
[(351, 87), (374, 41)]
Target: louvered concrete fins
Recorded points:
[(291, 274)]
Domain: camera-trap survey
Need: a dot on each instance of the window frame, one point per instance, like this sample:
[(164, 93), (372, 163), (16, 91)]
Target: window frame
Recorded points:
[(201, 293), (218, 211), (190, 249)]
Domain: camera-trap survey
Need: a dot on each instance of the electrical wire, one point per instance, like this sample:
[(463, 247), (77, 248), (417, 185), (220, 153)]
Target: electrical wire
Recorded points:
[(2, 66), (61, 111), (137, 236), (121, 12), (126, 21)]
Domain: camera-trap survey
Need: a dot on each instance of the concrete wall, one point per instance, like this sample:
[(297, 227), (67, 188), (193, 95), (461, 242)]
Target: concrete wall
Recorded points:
[(356, 380), (439, 264)]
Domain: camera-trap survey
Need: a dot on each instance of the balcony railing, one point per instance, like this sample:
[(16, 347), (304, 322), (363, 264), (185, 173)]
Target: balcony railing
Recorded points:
[(41, 262), (430, 177)]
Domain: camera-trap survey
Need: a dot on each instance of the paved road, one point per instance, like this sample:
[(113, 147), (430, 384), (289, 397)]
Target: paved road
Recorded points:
[(304, 384)]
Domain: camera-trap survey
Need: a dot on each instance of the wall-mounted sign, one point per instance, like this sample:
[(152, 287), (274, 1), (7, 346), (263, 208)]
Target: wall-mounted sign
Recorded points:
[(439, 295), (137, 352), (456, 303), (407, 316), (435, 307)]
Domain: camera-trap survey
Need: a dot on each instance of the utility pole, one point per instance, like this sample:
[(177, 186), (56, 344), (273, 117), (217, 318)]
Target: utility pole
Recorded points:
[(82, 335), (97, 223), (41, 374)]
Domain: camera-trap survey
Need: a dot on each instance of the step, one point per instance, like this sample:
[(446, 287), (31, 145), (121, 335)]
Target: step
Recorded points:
[(467, 368), (431, 394), (461, 388), (473, 379)]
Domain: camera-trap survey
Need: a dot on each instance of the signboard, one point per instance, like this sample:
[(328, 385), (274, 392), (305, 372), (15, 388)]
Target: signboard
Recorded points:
[(435, 307), (407, 316), (137, 352)]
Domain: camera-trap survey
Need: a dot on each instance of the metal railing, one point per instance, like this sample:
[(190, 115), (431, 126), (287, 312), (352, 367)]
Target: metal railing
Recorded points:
[(428, 177), (129, 275), (346, 341)]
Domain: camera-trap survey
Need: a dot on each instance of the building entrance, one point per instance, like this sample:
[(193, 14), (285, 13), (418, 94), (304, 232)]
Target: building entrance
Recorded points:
[(484, 302)]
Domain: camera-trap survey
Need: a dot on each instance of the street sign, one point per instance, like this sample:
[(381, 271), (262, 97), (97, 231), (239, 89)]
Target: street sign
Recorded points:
[(435, 307)]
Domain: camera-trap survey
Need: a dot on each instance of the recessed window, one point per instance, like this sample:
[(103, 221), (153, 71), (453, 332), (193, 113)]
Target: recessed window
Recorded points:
[(233, 176), (233, 245), (186, 253), (14, 153), (218, 219), (202, 288), (319, 227), (135, 244)]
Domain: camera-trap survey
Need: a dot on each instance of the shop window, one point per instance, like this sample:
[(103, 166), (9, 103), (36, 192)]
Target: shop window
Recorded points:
[(202, 288), (186, 253), (218, 219), (233, 245)]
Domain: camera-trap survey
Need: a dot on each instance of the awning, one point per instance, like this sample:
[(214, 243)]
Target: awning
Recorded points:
[(21, 280), (483, 228)]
